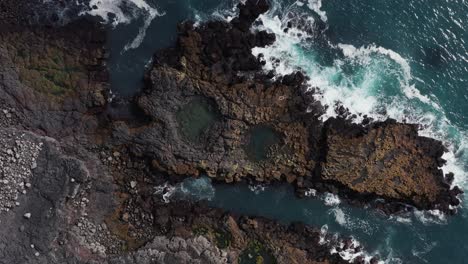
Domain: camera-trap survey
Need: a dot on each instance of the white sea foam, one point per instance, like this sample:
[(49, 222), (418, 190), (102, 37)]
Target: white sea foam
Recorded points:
[(323, 234), (351, 223), (340, 216), (284, 46), (196, 189), (125, 11), (358, 98), (331, 199), (299, 3), (102, 8), (401, 219), (364, 55), (152, 13), (316, 6), (257, 188), (191, 189), (350, 254), (310, 192), (166, 191), (454, 165), (361, 91), (226, 14), (431, 217)]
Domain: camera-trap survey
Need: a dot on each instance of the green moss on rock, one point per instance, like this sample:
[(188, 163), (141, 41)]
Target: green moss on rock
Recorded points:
[(256, 253)]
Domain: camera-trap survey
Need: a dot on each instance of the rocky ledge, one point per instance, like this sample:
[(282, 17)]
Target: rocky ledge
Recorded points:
[(214, 111), (72, 189), (242, 239), (78, 178)]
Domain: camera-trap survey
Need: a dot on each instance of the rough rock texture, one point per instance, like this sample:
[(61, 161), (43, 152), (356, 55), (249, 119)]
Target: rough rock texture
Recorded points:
[(16, 165), (211, 77), (209, 60), (163, 250), (53, 79), (387, 160), (53, 82), (34, 12), (71, 191), (33, 226), (78, 179), (247, 239)]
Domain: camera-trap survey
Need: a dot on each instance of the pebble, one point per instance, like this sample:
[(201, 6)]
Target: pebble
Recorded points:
[(125, 217), (36, 254), (27, 215), (133, 184), (18, 156)]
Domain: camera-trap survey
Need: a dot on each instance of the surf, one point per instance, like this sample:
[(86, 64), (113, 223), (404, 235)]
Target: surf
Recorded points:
[(369, 80)]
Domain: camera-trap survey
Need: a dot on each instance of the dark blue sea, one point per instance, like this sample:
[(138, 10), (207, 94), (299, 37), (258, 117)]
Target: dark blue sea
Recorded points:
[(404, 59)]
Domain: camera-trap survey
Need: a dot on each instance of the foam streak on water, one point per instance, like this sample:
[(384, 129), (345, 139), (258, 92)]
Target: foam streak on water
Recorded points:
[(316, 6), (124, 11)]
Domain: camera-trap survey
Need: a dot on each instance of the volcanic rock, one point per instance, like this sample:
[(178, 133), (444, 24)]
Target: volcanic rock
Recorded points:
[(213, 111), (386, 159), (202, 83)]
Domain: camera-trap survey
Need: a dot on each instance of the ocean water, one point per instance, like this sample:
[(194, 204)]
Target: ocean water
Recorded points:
[(402, 59)]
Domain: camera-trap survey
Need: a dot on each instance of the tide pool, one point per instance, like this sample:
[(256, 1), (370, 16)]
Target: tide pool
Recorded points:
[(406, 60)]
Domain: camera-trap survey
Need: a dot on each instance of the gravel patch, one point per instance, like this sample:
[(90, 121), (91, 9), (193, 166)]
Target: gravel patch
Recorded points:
[(18, 154)]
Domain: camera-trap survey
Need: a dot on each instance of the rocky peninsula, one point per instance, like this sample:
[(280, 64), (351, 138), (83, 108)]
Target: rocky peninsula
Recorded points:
[(79, 170), (213, 111)]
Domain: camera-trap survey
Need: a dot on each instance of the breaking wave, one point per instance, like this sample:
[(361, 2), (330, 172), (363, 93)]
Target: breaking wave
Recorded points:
[(370, 80)]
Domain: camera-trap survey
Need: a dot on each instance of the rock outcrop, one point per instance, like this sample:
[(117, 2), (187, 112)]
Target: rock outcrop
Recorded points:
[(54, 79), (214, 111), (40, 12), (247, 239), (78, 180), (255, 127), (72, 190), (196, 250), (387, 160), (35, 223), (385, 164)]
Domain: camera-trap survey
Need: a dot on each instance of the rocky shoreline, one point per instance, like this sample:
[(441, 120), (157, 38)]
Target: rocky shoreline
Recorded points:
[(267, 128), (79, 170)]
